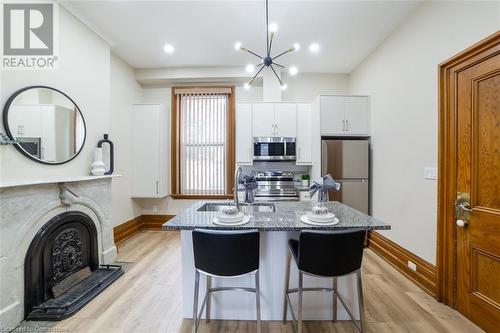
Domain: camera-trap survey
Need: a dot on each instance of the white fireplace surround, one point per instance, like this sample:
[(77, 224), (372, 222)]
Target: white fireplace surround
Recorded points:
[(25, 208)]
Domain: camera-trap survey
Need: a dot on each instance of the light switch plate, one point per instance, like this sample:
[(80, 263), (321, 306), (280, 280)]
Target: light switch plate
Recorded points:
[(430, 173)]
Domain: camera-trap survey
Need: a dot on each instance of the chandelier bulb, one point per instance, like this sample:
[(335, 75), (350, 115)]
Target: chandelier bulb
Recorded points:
[(283, 86), (237, 46), (246, 86)]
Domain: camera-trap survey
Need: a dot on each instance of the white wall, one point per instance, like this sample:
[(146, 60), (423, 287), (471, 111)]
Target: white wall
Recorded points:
[(306, 86), (401, 77), (83, 75), (124, 92)]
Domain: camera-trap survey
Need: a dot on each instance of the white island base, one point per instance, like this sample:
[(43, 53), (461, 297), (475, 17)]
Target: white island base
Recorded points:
[(239, 305)]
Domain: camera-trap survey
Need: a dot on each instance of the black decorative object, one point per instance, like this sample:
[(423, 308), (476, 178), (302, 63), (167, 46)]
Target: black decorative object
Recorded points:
[(111, 153), (17, 141), (63, 248), (269, 60)]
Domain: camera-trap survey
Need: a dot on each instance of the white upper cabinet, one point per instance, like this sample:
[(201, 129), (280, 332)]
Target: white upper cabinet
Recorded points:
[(357, 115), (303, 149), (332, 110), (344, 115), (285, 119), (244, 144), (274, 119), (263, 119), (150, 149)]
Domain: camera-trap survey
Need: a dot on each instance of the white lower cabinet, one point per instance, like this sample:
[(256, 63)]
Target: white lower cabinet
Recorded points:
[(244, 144), (150, 150), (303, 149)]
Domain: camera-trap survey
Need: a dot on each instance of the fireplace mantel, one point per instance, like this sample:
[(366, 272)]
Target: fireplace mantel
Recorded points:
[(26, 206), (68, 179)]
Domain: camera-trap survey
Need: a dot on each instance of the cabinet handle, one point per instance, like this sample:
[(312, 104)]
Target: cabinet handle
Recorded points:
[(250, 154), (157, 187), (343, 125), (299, 153), (347, 125)]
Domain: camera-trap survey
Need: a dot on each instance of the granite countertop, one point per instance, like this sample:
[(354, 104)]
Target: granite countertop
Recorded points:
[(285, 218)]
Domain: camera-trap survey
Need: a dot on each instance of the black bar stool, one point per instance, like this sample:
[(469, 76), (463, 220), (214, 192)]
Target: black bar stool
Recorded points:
[(329, 255), (224, 254)]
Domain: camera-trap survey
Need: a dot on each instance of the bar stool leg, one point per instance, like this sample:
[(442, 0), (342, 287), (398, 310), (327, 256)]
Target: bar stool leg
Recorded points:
[(195, 300), (287, 286), (257, 300), (209, 298), (335, 299), (299, 321), (360, 300)]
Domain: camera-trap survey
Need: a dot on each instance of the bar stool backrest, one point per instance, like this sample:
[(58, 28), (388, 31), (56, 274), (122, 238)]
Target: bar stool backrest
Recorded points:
[(226, 253), (328, 253)]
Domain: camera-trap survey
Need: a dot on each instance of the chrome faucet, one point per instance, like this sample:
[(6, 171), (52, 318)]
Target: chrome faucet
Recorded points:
[(237, 175)]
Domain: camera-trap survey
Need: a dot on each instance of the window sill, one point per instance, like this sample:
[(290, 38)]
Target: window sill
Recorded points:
[(202, 197)]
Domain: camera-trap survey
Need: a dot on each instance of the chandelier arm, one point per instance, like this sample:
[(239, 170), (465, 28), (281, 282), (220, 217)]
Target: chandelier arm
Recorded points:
[(270, 44), (255, 54), (267, 28), (260, 70), (283, 53), (279, 65), (281, 82)]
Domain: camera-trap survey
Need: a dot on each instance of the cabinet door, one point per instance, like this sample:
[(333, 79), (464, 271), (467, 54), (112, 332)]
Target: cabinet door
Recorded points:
[(262, 119), (244, 147), (285, 119), (357, 115), (145, 151), (304, 134), (332, 110)]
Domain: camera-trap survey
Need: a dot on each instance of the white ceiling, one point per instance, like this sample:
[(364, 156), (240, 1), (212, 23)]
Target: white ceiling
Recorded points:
[(204, 32)]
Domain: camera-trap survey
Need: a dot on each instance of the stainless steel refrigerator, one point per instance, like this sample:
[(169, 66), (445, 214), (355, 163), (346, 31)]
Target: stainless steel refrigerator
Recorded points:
[(348, 162)]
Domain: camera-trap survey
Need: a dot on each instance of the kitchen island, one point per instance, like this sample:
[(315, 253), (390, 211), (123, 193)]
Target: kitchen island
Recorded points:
[(276, 224)]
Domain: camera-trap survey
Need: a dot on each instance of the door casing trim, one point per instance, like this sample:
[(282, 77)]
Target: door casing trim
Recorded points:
[(447, 169)]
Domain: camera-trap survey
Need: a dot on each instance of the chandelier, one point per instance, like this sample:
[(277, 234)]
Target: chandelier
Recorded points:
[(268, 60)]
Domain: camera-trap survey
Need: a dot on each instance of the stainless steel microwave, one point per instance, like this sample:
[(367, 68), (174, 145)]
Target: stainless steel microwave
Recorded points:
[(273, 149)]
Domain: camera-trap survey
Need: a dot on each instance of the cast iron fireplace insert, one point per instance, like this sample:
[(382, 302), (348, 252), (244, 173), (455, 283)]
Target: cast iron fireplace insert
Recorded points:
[(62, 271)]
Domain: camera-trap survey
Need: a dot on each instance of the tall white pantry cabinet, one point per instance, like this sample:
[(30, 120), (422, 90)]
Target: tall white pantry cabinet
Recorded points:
[(150, 150)]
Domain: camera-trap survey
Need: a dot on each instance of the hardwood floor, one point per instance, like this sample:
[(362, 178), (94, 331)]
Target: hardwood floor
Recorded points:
[(148, 299)]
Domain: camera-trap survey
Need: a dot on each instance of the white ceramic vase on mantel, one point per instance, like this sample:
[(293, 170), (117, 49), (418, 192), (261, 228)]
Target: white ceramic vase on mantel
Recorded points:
[(98, 164)]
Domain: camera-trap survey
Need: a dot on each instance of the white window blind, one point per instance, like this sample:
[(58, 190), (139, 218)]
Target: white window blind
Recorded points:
[(203, 142)]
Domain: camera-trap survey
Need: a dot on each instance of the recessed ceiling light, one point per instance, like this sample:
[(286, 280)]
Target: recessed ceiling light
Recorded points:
[(273, 27), (314, 47), (169, 48), (250, 68), (237, 46), (293, 70)]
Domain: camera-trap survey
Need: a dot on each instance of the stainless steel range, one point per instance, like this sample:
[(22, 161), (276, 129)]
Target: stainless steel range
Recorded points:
[(276, 186)]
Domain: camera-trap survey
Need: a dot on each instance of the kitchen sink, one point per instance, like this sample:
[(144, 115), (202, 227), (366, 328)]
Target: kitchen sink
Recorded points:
[(244, 207)]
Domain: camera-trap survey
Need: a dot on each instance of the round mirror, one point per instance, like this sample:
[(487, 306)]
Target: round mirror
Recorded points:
[(46, 124)]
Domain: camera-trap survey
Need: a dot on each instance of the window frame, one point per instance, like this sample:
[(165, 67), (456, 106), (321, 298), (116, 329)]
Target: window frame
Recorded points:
[(175, 148)]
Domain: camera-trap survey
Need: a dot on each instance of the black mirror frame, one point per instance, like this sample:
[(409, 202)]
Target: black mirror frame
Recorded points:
[(5, 118)]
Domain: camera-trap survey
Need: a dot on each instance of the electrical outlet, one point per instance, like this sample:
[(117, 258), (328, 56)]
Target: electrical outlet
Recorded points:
[(412, 265)]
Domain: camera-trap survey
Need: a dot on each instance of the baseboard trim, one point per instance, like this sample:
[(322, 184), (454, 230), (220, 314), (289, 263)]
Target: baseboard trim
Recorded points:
[(133, 226), (425, 275)]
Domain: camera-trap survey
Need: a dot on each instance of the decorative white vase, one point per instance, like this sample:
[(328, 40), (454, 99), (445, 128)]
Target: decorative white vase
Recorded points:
[(98, 165)]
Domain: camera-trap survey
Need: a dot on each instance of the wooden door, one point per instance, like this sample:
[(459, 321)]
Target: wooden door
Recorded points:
[(471, 143)]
